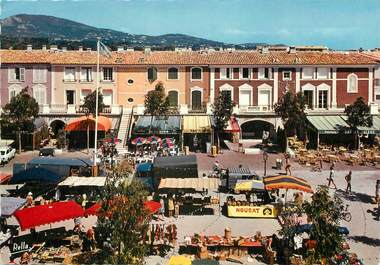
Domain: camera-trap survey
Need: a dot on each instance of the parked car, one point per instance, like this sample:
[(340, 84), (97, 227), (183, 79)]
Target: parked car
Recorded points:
[(6, 154), (47, 152)]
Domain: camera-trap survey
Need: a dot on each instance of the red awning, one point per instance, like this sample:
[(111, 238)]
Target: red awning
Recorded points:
[(93, 210), (47, 214), (4, 178), (80, 124), (233, 126)]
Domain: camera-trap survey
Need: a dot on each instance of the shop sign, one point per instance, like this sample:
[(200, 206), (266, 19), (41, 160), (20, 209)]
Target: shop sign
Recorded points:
[(264, 211), (20, 244)]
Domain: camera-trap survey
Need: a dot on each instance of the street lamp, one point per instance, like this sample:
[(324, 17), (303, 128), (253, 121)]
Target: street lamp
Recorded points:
[(265, 158)]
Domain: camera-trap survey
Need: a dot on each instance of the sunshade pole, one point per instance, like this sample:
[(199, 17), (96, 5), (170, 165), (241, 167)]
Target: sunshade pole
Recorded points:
[(96, 102)]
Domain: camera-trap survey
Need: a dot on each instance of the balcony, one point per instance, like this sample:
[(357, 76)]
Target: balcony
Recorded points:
[(62, 109), (198, 109), (255, 109)]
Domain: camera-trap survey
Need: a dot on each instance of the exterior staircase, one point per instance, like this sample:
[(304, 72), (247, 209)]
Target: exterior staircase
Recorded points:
[(123, 133)]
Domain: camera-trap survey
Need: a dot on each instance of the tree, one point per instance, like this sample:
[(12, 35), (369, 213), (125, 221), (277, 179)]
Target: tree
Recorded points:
[(20, 112), (89, 107), (291, 109), (358, 114), (156, 103), (325, 214), (123, 219), (222, 111)]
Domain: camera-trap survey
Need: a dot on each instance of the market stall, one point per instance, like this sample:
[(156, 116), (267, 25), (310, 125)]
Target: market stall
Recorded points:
[(175, 166), (190, 194), (196, 132), (74, 186), (232, 175)]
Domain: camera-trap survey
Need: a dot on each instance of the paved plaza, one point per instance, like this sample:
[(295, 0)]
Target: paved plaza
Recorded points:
[(364, 237)]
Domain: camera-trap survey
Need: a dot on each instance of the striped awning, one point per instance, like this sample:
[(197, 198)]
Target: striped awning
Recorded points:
[(196, 124), (195, 184), (329, 124), (287, 182), (374, 129)]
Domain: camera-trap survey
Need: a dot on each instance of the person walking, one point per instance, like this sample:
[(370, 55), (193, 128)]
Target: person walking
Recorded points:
[(331, 177), (288, 170), (171, 206), (348, 180)]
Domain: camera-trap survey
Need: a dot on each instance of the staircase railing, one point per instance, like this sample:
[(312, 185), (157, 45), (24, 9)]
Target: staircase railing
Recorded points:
[(128, 132)]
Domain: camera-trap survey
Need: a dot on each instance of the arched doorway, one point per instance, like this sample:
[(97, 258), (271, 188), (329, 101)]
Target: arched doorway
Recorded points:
[(56, 126), (254, 129)]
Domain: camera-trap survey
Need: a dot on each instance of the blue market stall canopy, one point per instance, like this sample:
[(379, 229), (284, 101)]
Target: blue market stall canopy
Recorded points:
[(10, 204), (158, 125), (329, 124), (307, 227), (175, 167), (144, 167)]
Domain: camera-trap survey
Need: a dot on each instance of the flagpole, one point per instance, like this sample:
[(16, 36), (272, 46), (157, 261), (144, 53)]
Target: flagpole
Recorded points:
[(97, 101)]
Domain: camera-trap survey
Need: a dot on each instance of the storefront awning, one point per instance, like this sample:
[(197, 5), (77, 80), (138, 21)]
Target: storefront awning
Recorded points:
[(374, 129), (10, 204), (48, 213), (190, 184), (196, 124), (233, 126), (84, 181), (248, 185), (329, 124), (80, 124), (157, 125)]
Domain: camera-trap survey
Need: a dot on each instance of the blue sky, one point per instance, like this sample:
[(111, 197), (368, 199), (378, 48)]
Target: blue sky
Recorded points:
[(339, 24)]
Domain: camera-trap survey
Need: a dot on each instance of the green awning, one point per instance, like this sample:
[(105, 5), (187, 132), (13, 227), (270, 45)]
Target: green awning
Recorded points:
[(329, 124), (158, 125), (374, 129)]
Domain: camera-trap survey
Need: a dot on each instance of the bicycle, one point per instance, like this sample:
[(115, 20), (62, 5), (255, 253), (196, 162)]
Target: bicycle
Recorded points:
[(346, 215)]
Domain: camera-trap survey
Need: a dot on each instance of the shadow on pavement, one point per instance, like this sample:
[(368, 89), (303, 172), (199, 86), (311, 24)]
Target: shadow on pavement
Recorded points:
[(354, 196), (366, 240)]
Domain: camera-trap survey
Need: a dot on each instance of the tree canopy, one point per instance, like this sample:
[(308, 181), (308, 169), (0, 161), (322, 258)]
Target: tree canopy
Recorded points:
[(90, 103), (123, 217), (20, 113), (325, 214), (156, 103), (358, 114)]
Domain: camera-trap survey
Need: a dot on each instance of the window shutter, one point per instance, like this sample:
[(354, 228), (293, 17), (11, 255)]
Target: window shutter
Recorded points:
[(261, 73), (11, 74), (83, 73), (22, 74)]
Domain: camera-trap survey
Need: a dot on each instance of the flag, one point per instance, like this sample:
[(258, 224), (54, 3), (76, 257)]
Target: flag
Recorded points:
[(104, 50)]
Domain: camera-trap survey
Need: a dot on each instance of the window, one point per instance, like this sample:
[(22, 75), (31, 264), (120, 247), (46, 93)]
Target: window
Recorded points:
[(39, 93), (308, 95), (108, 74), (86, 74), (173, 73), (107, 97), (352, 83), (265, 73), (39, 75), (323, 73), (308, 73), (286, 75), (322, 99), (173, 98), (152, 74), (377, 82), (228, 93), (16, 74), (225, 73), (69, 74), (377, 96), (130, 81), (196, 73), (130, 100), (83, 94), (70, 97), (245, 73)]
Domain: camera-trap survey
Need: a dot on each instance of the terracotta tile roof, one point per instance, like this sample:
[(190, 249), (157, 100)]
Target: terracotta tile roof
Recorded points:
[(187, 58), (374, 54)]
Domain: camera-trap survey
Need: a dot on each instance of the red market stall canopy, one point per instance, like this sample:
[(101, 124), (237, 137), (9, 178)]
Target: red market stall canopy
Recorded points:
[(80, 124), (287, 182), (150, 206), (47, 214)]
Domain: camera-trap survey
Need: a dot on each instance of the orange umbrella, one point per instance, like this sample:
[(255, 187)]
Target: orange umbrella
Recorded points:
[(287, 182), (80, 124)]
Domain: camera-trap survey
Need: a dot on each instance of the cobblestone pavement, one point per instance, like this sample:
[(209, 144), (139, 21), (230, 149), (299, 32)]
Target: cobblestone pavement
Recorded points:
[(364, 235)]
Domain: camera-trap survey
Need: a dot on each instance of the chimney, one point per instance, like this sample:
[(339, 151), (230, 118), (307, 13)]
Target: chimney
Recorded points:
[(130, 49), (29, 47), (147, 50), (292, 49), (80, 48), (53, 47), (64, 49), (120, 48), (44, 47), (88, 49)]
